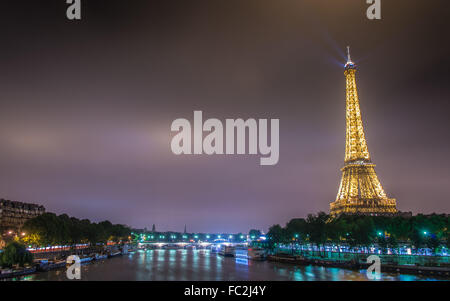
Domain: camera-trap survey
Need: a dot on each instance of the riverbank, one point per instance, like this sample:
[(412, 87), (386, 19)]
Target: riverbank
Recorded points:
[(47, 261), (359, 264)]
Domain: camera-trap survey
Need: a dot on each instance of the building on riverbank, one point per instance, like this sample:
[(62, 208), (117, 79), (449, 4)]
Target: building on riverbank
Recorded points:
[(14, 214)]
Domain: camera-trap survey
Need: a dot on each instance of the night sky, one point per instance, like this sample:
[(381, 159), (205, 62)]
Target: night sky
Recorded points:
[(86, 106)]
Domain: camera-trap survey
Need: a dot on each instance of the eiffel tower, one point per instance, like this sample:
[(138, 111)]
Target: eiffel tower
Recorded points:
[(360, 191)]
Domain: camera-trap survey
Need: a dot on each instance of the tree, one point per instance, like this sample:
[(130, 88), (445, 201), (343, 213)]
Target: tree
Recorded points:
[(15, 253), (363, 230), (275, 234), (32, 239), (337, 231), (316, 228), (297, 228), (253, 233), (433, 243)]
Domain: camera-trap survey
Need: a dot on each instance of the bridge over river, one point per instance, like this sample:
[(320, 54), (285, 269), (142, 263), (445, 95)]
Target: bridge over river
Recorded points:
[(199, 244)]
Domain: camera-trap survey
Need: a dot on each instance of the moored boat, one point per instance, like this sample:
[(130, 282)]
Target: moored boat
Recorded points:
[(9, 273), (56, 264), (114, 254), (257, 254), (5, 273), (100, 256), (41, 264), (172, 247), (281, 257), (86, 259), (227, 251)]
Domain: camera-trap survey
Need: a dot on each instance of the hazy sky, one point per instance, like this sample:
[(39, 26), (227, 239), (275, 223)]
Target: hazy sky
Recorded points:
[(86, 106)]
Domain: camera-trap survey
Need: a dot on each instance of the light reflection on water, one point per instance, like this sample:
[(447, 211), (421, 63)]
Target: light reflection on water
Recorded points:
[(205, 265)]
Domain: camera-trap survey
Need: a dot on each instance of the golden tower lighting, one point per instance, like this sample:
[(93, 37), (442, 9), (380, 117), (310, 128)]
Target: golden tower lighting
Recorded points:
[(360, 191)]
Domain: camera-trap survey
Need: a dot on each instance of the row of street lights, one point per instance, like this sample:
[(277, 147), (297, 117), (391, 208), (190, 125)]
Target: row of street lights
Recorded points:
[(10, 232), (379, 233)]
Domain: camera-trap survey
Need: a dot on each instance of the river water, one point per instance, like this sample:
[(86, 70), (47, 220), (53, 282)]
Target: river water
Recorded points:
[(194, 265)]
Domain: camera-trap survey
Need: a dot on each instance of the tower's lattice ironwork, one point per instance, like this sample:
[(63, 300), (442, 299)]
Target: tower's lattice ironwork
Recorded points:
[(360, 191)]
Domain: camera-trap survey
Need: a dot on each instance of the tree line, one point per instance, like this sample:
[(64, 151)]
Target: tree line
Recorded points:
[(420, 231), (51, 229)]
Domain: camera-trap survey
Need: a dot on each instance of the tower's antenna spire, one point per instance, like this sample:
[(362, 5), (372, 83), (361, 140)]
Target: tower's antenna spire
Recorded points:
[(348, 54)]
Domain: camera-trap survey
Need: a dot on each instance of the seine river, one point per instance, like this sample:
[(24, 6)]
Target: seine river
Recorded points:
[(204, 265)]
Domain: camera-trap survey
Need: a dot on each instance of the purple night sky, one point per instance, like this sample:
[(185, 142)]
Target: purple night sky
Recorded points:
[(86, 106)]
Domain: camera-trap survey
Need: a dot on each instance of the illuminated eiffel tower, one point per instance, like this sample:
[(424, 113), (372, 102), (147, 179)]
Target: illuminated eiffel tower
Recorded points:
[(360, 191)]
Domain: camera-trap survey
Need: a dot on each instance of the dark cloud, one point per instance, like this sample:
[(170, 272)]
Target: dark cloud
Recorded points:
[(86, 106)]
